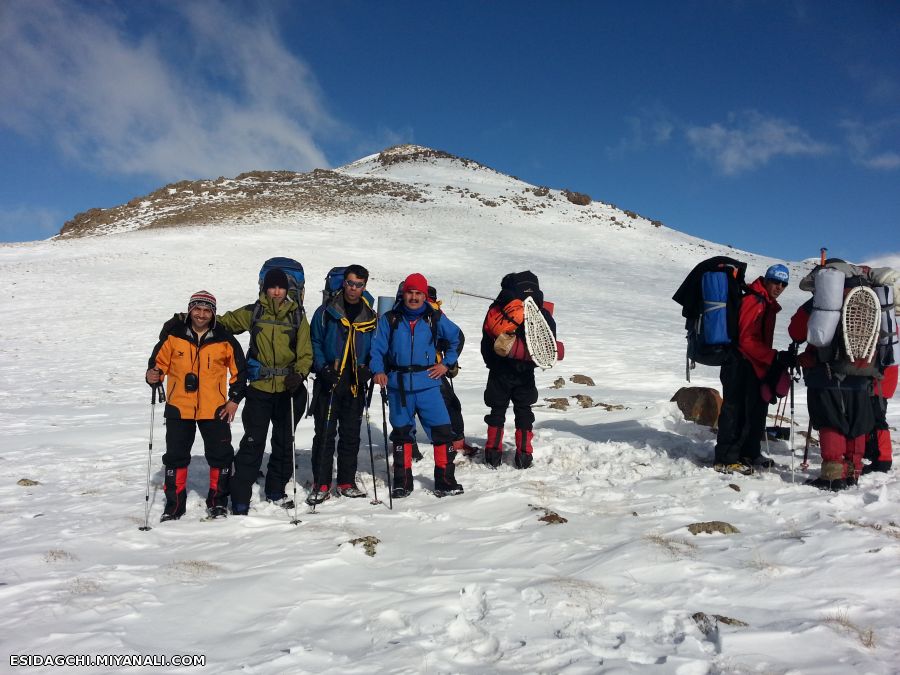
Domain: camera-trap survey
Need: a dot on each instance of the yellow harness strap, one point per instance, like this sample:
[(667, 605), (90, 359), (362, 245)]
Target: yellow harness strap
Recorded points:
[(350, 348)]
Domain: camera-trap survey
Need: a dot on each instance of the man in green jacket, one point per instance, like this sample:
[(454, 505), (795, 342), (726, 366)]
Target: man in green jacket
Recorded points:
[(279, 359)]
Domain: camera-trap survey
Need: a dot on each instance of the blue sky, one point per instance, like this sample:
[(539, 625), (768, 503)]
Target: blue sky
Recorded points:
[(770, 126)]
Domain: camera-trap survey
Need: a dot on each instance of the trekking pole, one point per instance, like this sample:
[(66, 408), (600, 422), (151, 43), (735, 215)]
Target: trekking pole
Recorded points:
[(324, 442), (371, 451), (472, 295), (804, 465), (792, 426), (387, 463), (157, 388), (296, 520)]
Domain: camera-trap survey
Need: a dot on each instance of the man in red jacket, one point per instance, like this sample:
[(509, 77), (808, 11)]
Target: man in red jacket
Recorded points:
[(878, 442), (742, 419)]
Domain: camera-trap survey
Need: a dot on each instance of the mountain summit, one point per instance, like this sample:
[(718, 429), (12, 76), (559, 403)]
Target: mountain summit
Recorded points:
[(381, 182)]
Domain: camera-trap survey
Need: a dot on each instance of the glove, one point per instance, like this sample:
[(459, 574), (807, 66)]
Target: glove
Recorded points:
[(786, 359), (504, 343), (363, 374), (293, 382), (328, 376)]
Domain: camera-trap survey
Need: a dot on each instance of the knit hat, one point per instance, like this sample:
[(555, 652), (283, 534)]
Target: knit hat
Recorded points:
[(275, 278), (778, 273), (202, 299), (416, 282)]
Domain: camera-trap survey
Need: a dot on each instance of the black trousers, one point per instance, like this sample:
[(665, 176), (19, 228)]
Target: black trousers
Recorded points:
[(742, 420), (342, 422), (454, 409), (180, 436), (505, 385), (260, 409)]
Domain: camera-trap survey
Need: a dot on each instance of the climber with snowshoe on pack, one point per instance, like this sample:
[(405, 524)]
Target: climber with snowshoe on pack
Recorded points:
[(341, 329), (404, 358), (852, 339), (195, 355), (510, 366)]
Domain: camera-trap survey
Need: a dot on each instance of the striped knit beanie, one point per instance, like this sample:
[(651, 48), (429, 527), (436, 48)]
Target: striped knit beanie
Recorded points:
[(202, 299)]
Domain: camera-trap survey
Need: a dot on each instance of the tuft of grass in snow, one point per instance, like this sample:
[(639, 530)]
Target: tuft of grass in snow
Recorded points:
[(675, 547), (878, 527), (840, 619), (55, 555)]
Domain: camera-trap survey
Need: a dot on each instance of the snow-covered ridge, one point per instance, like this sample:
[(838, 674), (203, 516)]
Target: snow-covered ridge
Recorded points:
[(381, 182)]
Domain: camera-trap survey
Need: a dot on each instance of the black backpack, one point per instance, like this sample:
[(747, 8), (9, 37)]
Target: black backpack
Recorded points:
[(710, 298)]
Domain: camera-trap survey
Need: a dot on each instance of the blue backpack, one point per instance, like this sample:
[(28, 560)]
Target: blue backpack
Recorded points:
[(294, 272), (710, 297)]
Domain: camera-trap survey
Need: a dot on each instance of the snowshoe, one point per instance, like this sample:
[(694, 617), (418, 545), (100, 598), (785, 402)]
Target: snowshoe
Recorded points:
[(400, 492), (170, 516)]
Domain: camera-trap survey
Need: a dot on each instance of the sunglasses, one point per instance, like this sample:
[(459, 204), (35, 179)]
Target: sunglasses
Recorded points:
[(354, 284)]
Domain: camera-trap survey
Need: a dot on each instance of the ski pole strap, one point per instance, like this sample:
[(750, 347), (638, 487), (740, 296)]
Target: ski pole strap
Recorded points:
[(157, 391)]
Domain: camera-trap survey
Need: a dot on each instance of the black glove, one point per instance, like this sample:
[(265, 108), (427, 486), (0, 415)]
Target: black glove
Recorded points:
[(363, 374), (293, 382), (328, 376), (786, 359)]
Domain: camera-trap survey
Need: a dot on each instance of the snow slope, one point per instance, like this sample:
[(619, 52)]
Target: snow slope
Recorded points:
[(469, 584)]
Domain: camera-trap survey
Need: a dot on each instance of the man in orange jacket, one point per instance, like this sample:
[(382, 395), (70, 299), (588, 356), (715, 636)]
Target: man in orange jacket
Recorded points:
[(197, 356), (742, 419)]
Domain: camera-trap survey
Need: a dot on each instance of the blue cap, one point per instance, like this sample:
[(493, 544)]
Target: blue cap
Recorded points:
[(778, 273)]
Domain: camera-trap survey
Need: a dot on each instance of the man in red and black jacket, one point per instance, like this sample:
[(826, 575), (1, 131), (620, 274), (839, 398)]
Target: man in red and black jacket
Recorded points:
[(754, 364)]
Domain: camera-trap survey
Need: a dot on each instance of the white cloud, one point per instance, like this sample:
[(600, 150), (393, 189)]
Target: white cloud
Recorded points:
[(866, 142), (750, 140), (650, 127), (38, 223), (222, 96)]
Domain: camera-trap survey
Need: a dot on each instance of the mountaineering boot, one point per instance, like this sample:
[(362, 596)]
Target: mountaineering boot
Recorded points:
[(736, 467), (403, 482), (523, 448), (877, 465), (493, 449), (759, 462), (175, 488), (445, 472), (831, 478), (460, 446), (319, 495), (823, 484), (217, 497), (349, 490)]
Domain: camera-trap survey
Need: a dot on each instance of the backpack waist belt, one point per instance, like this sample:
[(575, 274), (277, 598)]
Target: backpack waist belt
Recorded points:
[(266, 372)]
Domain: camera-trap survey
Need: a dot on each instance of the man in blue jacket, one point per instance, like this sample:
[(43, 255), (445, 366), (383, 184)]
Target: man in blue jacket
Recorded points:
[(405, 360), (341, 332)]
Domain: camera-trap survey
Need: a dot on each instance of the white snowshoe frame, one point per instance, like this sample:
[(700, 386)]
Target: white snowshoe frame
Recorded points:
[(538, 336), (861, 321)]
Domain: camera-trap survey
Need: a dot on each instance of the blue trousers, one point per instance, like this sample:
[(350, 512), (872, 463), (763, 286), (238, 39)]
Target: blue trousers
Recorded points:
[(428, 404)]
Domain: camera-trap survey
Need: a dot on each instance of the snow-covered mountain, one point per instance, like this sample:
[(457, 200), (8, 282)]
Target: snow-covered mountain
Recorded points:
[(469, 584)]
